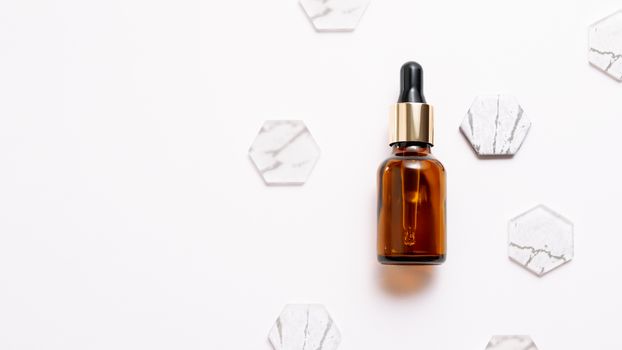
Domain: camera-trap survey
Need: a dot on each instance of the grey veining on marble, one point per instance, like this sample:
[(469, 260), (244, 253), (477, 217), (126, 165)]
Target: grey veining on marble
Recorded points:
[(511, 342), (304, 327), (334, 15), (540, 240), (605, 45), (495, 125), (284, 152)]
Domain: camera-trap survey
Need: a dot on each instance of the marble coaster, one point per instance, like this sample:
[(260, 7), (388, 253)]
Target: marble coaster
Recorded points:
[(495, 125), (605, 45), (304, 327), (334, 15), (284, 152), (540, 240), (511, 342)]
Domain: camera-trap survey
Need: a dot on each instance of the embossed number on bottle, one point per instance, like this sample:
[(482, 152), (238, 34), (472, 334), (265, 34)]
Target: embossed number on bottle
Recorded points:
[(409, 237)]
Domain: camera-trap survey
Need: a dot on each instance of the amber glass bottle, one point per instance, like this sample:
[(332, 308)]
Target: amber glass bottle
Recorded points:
[(411, 183)]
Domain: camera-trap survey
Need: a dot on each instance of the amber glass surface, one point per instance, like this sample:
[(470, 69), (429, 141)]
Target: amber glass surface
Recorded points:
[(411, 207)]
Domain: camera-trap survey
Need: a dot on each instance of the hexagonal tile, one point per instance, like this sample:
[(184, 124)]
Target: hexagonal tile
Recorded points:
[(540, 240), (511, 342), (605, 45), (495, 125), (284, 152), (304, 327), (334, 15)]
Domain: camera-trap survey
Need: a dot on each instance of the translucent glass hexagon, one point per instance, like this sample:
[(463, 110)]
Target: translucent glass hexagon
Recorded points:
[(511, 342), (540, 240), (304, 327), (284, 152), (605, 45), (495, 125), (334, 15)]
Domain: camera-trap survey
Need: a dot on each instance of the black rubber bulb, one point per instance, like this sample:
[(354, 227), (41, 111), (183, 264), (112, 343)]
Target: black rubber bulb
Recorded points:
[(411, 85)]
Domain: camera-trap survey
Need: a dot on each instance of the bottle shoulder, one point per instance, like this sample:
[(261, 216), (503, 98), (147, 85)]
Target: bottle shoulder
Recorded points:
[(421, 162)]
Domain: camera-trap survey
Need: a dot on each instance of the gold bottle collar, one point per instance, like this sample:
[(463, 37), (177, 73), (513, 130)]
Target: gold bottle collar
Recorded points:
[(411, 122)]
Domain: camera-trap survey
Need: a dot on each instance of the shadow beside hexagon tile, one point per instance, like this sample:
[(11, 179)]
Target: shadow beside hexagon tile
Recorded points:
[(495, 126), (284, 152), (605, 45), (304, 327), (511, 342), (334, 15), (540, 240)]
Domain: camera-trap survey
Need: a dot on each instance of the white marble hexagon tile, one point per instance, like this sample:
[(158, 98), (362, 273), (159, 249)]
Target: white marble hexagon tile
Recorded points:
[(605, 45), (540, 240), (304, 327), (284, 152), (334, 15), (511, 342), (495, 125)]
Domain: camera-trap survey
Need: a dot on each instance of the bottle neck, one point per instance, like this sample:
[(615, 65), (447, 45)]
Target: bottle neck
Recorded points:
[(411, 148)]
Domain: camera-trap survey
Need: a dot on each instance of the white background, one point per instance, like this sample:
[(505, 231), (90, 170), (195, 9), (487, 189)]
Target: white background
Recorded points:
[(132, 218)]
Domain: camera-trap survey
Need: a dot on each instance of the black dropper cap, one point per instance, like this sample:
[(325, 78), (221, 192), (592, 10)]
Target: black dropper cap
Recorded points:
[(411, 85)]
